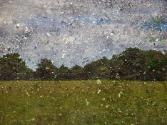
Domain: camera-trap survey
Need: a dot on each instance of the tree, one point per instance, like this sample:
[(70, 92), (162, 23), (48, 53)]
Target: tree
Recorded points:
[(97, 69), (136, 64), (76, 72), (46, 70), (156, 65), (129, 65), (132, 64), (12, 67), (63, 73)]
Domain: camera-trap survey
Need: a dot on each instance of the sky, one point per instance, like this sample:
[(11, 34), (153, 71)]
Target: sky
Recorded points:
[(76, 32)]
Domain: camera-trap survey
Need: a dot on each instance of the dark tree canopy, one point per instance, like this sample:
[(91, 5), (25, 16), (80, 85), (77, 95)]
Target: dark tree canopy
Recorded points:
[(12, 67), (76, 72), (46, 70), (132, 64), (63, 73)]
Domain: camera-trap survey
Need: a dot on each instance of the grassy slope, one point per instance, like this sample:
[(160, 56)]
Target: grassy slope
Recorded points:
[(83, 103)]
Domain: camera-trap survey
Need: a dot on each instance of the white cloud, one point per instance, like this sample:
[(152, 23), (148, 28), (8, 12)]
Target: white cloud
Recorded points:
[(86, 30)]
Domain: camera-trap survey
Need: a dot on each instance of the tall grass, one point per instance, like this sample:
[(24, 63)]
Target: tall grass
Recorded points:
[(83, 103)]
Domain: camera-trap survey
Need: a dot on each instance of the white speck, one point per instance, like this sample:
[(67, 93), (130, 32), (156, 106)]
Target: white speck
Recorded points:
[(17, 25), (26, 29), (48, 34), (108, 37), (111, 34), (157, 40), (25, 38), (63, 55)]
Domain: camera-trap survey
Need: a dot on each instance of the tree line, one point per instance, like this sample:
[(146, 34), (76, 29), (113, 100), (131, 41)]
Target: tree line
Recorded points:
[(132, 64)]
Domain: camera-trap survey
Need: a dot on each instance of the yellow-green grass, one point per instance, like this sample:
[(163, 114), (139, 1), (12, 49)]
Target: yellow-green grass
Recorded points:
[(83, 103)]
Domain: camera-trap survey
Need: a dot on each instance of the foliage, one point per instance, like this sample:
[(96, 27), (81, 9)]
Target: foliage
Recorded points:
[(132, 64), (97, 69), (46, 70), (129, 64), (77, 73), (135, 64), (12, 67), (63, 73)]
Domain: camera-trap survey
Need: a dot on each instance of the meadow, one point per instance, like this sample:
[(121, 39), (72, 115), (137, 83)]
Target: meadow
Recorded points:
[(83, 103)]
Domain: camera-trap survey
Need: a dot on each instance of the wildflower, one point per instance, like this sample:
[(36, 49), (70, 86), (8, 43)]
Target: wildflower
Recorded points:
[(60, 114), (107, 106), (103, 99), (50, 92), (33, 119), (37, 89), (119, 110), (27, 93), (87, 102), (117, 76), (99, 91), (98, 82), (120, 94)]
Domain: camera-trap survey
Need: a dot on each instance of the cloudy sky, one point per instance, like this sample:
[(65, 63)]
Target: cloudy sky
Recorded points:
[(74, 32)]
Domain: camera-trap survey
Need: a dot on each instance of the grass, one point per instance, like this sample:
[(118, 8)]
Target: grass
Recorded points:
[(83, 103)]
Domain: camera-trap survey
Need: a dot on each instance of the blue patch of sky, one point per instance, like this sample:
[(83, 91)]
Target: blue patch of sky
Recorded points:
[(47, 24), (162, 26), (92, 20), (53, 24)]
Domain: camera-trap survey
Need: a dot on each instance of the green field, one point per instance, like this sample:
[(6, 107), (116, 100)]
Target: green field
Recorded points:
[(83, 103)]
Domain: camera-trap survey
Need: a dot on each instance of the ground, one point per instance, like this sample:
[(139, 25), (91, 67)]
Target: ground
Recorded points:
[(83, 103)]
